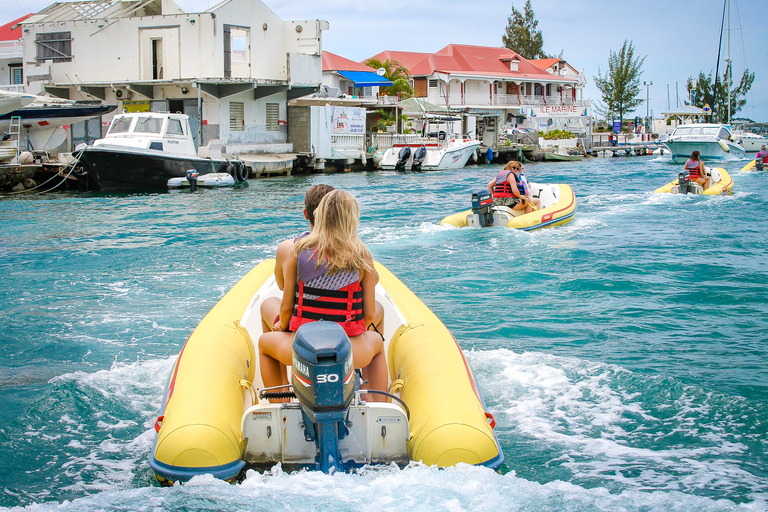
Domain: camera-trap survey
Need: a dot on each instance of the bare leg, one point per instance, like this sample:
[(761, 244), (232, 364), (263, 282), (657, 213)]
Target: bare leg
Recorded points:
[(368, 354), (270, 309), (274, 354)]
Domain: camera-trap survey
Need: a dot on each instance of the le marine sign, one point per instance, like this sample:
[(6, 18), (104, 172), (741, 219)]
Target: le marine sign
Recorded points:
[(559, 111)]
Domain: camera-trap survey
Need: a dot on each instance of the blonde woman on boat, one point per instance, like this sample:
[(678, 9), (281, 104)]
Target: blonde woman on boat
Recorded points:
[(330, 259)]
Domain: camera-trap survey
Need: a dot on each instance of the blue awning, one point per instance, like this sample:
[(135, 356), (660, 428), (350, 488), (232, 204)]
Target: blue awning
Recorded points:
[(365, 78)]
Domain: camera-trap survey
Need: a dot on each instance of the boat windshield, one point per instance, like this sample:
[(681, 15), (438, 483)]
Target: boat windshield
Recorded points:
[(696, 130), (174, 127), (149, 124), (120, 125)]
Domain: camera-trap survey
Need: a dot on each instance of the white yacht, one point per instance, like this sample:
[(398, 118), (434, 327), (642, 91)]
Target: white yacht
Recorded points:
[(715, 142)]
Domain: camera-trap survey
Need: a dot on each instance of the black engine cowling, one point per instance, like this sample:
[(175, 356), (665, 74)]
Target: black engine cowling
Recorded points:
[(418, 158), (482, 206), (402, 158), (684, 181)]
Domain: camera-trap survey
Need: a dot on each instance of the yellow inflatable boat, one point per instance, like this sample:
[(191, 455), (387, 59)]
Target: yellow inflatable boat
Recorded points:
[(557, 205), (213, 421), (720, 184)]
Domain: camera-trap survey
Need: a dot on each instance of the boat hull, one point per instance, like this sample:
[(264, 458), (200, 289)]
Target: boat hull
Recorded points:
[(54, 115), (112, 168), (710, 150), (556, 157), (212, 384), (561, 211), (722, 187), (438, 157)]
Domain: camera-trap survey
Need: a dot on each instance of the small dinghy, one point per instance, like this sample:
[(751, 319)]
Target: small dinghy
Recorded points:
[(720, 184), (216, 418), (557, 206), (210, 180)]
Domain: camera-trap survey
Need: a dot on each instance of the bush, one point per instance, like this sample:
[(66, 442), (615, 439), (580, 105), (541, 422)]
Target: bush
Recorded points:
[(556, 134)]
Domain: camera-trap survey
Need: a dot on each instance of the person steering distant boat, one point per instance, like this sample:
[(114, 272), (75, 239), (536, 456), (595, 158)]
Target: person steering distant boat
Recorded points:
[(695, 168), (510, 188), (761, 160)]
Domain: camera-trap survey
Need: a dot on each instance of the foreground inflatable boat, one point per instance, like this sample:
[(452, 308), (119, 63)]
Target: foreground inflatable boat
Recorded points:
[(720, 184), (215, 417), (557, 206)]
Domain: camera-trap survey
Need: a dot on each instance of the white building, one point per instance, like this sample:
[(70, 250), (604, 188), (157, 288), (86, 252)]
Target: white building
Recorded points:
[(232, 68)]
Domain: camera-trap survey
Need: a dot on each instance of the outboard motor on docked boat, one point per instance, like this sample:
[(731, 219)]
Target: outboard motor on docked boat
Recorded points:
[(402, 158), (192, 175), (418, 158), (324, 383), (684, 181), (482, 206)]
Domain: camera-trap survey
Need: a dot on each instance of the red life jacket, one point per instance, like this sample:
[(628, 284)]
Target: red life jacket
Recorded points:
[(764, 155), (503, 188), (693, 168), (342, 305)]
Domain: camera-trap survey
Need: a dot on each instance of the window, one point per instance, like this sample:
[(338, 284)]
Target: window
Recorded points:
[(174, 127), (273, 115), (56, 46), (17, 75), (120, 125), (237, 116), (433, 84), (149, 125)]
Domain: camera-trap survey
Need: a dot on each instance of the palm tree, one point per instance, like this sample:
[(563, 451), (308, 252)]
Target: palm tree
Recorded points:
[(397, 74)]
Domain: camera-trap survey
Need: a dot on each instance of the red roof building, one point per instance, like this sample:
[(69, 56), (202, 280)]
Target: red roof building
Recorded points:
[(482, 76), (7, 33)]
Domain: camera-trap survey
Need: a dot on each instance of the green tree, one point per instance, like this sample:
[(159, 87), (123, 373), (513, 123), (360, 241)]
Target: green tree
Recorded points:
[(703, 94), (521, 35), (399, 76), (621, 84)]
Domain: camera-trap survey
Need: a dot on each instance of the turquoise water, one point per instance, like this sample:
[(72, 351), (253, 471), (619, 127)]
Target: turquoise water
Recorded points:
[(623, 355)]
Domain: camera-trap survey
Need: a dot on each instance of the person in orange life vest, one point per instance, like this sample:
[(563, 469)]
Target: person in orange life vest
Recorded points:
[(761, 160), (510, 188), (331, 258), (695, 167)]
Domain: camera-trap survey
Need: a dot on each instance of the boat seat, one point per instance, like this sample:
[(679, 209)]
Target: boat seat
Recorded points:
[(714, 174)]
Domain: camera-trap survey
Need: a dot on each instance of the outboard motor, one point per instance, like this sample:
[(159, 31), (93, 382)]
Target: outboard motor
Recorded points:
[(418, 158), (402, 158), (192, 175), (684, 180), (324, 382), (482, 206), (759, 164)]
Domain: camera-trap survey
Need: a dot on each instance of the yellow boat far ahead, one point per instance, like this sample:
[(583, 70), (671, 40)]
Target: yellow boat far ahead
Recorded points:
[(557, 207), (721, 184)]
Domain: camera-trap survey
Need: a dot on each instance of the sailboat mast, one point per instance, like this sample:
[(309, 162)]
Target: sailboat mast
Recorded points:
[(730, 77)]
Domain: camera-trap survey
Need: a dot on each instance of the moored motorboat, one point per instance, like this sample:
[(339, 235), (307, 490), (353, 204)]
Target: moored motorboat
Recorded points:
[(720, 184), (714, 142), (452, 153), (562, 156), (143, 151), (215, 418), (557, 206)]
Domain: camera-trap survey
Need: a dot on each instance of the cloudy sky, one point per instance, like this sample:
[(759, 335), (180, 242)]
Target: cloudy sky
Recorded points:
[(679, 38)]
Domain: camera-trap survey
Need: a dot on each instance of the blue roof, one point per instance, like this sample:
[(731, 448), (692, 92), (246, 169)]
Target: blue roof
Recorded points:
[(365, 78)]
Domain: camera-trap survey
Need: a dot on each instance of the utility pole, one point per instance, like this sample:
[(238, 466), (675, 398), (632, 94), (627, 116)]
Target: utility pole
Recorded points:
[(647, 86)]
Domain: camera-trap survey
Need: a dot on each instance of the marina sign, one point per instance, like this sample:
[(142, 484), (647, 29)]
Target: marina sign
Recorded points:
[(559, 111)]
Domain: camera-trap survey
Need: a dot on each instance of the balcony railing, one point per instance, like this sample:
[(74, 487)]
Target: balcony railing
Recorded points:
[(11, 49), (475, 99), (12, 88)]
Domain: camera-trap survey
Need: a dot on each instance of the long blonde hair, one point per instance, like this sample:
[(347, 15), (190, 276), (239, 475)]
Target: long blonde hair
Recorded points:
[(335, 236)]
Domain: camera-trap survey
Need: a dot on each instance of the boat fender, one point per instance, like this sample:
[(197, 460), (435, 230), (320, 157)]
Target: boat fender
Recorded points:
[(232, 171), (723, 145), (243, 171), (489, 155)]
